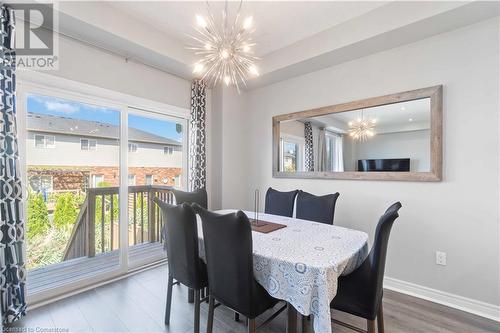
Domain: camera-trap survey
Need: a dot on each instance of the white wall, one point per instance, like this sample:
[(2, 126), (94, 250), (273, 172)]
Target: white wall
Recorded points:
[(214, 138), (86, 64), (233, 163), (414, 145), (459, 215)]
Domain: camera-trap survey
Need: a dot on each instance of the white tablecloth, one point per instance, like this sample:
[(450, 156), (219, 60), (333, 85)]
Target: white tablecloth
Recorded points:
[(301, 263)]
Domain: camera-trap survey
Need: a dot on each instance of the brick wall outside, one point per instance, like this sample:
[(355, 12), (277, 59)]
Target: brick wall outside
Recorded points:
[(161, 176), (77, 178), (63, 179)]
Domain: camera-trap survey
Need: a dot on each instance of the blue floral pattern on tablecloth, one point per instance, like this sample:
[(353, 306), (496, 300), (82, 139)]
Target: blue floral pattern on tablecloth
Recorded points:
[(301, 264)]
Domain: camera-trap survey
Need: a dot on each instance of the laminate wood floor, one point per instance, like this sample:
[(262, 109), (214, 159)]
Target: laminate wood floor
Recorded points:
[(137, 304)]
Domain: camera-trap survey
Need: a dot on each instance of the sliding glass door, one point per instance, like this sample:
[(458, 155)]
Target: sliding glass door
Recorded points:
[(72, 167), (156, 164), (92, 169)]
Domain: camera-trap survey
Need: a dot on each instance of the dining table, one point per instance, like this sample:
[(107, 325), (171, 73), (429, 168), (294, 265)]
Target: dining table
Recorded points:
[(301, 263)]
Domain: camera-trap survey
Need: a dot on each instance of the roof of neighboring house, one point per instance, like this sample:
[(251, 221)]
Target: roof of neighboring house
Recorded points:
[(87, 128)]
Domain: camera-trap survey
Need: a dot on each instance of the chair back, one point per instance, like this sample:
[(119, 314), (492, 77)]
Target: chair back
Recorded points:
[(360, 292), (378, 253), (197, 196), (229, 258), (316, 208), (181, 233), (280, 203)]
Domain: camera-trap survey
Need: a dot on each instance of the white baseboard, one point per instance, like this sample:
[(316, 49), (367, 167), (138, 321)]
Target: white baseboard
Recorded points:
[(479, 308)]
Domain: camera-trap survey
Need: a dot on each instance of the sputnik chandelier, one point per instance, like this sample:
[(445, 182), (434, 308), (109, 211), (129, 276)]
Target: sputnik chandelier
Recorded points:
[(362, 129), (225, 50)]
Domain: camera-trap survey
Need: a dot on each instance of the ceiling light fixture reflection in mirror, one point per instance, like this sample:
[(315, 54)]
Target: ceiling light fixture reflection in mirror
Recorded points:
[(392, 137)]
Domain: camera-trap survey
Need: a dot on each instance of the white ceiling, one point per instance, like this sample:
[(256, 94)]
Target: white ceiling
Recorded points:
[(278, 24), (293, 37), (404, 116)]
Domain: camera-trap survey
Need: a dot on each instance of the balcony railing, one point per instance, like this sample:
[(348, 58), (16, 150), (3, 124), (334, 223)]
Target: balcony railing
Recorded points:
[(97, 227)]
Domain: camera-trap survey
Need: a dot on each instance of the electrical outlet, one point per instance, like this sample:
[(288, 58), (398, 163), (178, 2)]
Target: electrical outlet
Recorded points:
[(440, 258)]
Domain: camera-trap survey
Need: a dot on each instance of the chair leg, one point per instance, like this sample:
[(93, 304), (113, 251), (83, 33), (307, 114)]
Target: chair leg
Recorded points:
[(304, 320), (196, 311), (210, 321), (236, 316), (370, 324), (252, 328), (190, 295), (169, 299), (291, 322), (380, 319)]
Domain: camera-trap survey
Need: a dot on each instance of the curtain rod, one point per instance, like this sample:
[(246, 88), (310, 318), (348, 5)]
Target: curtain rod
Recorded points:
[(103, 49), (109, 51), (116, 54)]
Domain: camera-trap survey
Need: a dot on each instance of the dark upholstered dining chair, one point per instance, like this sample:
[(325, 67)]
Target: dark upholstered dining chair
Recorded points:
[(196, 196), (199, 197), (316, 208), (184, 263), (360, 293), (230, 277), (280, 203)]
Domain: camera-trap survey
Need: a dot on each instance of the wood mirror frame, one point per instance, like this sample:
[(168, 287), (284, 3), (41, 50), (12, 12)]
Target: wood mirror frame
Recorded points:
[(435, 94)]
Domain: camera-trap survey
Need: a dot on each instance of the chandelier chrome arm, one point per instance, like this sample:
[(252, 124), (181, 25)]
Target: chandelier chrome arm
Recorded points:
[(225, 51)]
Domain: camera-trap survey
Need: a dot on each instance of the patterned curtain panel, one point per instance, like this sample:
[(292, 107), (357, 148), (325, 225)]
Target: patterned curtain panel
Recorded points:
[(12, 268), (309, 151), (197, 137)]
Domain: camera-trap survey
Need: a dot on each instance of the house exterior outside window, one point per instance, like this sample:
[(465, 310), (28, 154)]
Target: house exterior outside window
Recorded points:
[(149, 179), (131, 180), (77, 156)]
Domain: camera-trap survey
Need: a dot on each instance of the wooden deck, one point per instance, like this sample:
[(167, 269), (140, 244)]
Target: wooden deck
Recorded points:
[(54, 276), (137, 304)]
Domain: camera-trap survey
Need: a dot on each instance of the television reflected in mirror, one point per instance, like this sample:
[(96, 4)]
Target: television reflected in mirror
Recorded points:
[(393, 137)]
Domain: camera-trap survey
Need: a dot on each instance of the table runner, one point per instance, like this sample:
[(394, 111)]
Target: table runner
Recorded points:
[(301, 263)]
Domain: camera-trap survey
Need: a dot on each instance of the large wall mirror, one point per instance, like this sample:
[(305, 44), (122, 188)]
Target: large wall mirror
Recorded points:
[(392, 137)]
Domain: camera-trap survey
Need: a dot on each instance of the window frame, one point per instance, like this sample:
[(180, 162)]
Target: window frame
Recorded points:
[(88, 144), (45, 145), (93, 177), (331, 138), (300, 142), (330, 146), (29, 82), (134, 179), (170, 150), (133, 144)]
